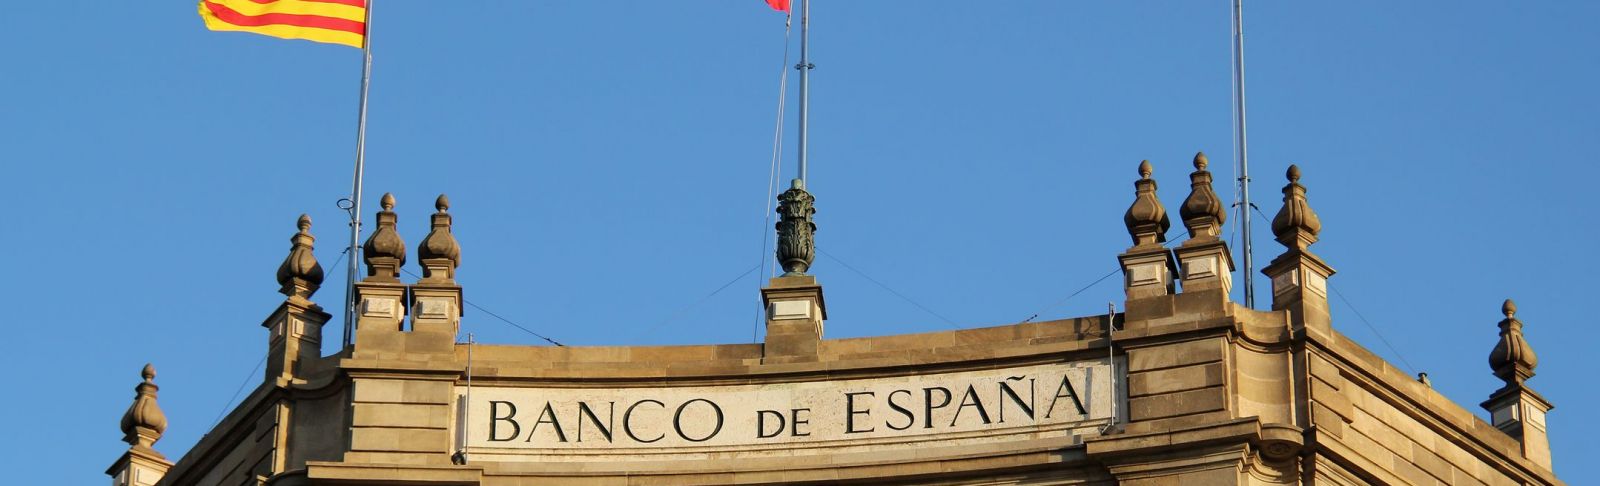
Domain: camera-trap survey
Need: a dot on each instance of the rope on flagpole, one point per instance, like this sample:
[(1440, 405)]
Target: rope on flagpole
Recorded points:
[(772, 173), (355, 192)]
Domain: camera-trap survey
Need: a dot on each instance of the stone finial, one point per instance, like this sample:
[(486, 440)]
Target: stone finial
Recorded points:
[(1296, 225), (1146, 220), (144, 422), (1512, 359), (384, 251), (1203, 212), (300, 275), (439, 252), (796, 231)]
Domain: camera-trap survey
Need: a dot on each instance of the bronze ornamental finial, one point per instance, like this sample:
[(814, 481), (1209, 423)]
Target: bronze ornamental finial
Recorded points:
[(796, 231), (1146, 219), (300, 275)]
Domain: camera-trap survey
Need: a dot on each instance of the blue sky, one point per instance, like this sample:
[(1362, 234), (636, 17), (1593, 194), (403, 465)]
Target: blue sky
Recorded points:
[(608, 163)]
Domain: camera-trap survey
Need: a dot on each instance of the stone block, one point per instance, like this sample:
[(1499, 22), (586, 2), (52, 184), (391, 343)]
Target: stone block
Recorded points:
[(1175, 404), (409, 415), (1174, 355), (1326, 371), (403, 391), (432, 340), (1201, 304), (1459, 477), (1144, 309), (400, 440), (1332, 398), (372, 390), (1430, 462), (1327, 421), (1411, 473), (1174, 379)]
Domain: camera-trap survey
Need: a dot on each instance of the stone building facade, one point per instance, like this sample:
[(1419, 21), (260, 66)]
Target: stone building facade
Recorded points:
[(1181, 387)]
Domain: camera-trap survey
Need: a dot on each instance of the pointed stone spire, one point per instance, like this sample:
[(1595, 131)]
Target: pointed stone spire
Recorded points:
[(796, 231), (384, 251), (1296, 225), (144, 423), (300, 275), (1515, 408), (439, 252), (1146, 219), (1203, 212), (1512, 359)]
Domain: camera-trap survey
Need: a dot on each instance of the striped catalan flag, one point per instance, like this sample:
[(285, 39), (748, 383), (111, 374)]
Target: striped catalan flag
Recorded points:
[(330, 21)]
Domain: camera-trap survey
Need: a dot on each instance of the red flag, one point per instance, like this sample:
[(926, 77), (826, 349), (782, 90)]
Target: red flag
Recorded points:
[(779, 5)]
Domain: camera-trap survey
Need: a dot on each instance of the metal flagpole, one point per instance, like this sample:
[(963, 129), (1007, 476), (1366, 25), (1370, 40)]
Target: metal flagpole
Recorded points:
[(1244, 160), (355, 191), (805, 73)]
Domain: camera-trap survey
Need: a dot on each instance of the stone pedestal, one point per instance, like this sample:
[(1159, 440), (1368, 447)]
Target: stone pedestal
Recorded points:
[(435, 317), (295, 338), (1147, 271), (1300, 286), (1206, 265), (403, 380), (139, 467), (381, 309), (795, 313), (1520, 413)]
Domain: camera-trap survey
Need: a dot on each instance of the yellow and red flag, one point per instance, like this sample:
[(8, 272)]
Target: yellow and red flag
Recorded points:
[(331, 21), (779, 5)]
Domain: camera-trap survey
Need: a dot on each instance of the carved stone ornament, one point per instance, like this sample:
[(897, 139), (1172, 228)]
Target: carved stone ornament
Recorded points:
[(300, 275), (439, 250), (1296, 225), (384, 251), (1146, 219), (1512, 359), (1203, 212), (144, 422), (796, 246)]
